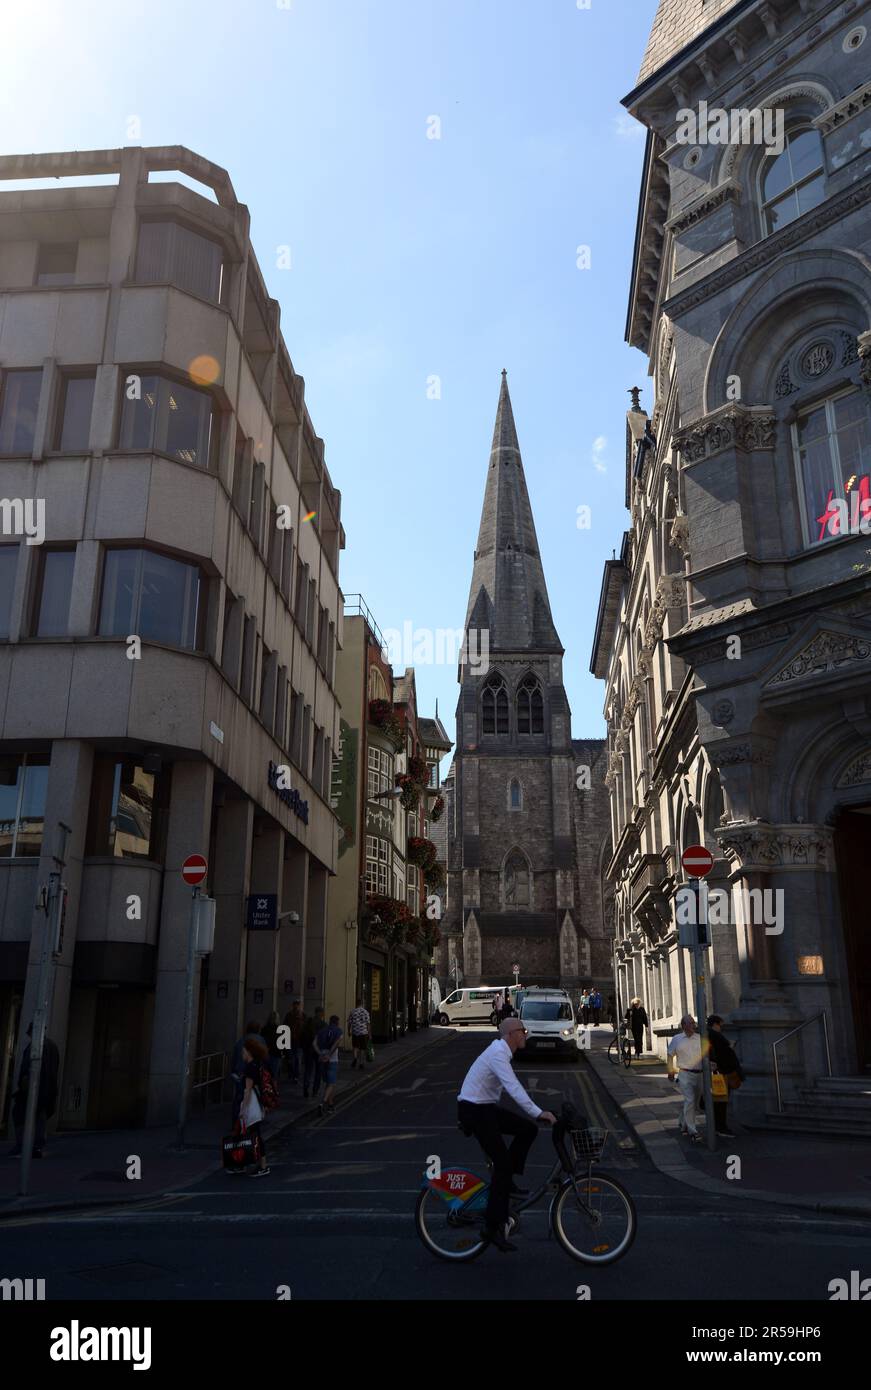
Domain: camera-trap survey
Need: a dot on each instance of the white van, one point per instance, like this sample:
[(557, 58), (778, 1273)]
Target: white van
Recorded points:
[(470, 1005)]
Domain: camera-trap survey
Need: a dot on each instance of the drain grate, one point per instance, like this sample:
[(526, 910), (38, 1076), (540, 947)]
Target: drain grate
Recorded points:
[(132, 1272)]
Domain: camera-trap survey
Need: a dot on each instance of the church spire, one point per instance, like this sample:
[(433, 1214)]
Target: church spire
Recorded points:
[(508, 595)]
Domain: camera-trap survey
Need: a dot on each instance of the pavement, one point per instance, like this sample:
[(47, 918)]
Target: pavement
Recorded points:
[(823, 1173), (89, 1168)]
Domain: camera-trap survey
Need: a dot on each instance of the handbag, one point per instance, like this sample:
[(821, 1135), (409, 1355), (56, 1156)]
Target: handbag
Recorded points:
[(719, 1088), (239, 1149), (252, 1111), (370, 1051)]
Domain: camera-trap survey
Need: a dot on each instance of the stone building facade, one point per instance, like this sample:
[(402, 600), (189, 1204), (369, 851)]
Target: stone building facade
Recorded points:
[(526, 808), (748, 493), (171, 641)]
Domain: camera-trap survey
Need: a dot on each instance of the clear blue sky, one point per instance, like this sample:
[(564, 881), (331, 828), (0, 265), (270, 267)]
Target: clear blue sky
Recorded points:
[(411, 257)]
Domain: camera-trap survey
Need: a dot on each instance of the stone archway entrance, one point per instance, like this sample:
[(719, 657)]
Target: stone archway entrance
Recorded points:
[(853, 851)]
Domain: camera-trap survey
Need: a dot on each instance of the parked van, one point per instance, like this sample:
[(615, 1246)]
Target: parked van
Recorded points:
[(470, 1005)]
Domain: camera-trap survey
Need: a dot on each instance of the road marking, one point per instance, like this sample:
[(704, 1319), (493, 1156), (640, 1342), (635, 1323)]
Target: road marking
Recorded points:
[(380, 1139), (406, 1090)]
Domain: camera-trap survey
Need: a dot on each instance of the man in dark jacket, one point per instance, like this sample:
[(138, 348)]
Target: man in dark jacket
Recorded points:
[(311, 1079), (46, 1101)]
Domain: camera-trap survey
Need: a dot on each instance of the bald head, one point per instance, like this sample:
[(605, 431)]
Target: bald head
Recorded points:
[(512, 1031)]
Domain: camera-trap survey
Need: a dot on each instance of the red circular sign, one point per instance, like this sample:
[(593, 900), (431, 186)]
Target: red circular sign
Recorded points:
[(697, 860), (194, 869)]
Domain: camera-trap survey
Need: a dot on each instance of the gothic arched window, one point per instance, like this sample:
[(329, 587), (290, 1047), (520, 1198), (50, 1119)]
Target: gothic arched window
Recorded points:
[(516, 878), (515, 796), (494, 706), (530, 707)]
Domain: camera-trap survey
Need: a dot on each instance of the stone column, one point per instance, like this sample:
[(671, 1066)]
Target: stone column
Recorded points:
[(267, 876), (315, 935), (230, 883), (291, 937), (190, 815), (67, 799)]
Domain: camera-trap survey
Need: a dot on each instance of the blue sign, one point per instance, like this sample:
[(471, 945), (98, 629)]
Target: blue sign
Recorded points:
[(263, 912)]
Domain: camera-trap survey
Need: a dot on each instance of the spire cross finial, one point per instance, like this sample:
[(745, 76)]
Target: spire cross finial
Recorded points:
[(635, 393), (504, 373)]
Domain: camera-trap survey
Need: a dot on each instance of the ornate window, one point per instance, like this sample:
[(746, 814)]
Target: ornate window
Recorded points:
[(832, 447), (516, 880), (515, 796), (792, 182), (530, 707), (495, 706)]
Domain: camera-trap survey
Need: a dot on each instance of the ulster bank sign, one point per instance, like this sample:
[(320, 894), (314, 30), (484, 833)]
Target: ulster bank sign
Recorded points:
[(279, 781)]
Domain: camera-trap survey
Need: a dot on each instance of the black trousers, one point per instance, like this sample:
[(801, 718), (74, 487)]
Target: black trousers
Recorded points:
[(488, 1123)]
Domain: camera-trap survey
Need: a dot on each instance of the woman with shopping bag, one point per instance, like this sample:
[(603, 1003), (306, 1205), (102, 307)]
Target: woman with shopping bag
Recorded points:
[(726, 1074), (255, 1056)]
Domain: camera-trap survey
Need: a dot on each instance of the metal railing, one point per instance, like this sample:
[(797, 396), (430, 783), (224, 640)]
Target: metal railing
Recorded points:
[(210, 1070), (356, 607), (792, 1032)]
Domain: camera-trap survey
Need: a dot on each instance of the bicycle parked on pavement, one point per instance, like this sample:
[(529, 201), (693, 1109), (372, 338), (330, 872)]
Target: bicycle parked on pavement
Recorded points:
[(592, 1216), (620, 1047)]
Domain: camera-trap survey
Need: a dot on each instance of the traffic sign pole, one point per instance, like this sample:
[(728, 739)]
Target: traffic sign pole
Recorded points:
[(700, 963), (193, 871)]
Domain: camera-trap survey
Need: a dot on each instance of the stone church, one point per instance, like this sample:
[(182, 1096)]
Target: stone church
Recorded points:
[(527, 823)]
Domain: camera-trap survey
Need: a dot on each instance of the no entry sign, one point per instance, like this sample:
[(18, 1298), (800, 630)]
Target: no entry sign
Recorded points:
[(194, 869), (697, 861)]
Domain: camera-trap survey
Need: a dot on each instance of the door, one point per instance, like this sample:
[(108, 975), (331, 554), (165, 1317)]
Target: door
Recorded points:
[(118, 1061), (853, 846)]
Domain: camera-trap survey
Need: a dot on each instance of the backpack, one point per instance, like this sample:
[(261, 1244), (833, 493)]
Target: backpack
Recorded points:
[(268, 1089)]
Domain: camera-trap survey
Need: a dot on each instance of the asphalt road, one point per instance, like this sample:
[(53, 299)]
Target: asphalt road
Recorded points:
[(334, 1220)]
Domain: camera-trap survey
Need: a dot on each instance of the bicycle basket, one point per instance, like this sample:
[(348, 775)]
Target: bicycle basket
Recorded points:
[(589, 1143)]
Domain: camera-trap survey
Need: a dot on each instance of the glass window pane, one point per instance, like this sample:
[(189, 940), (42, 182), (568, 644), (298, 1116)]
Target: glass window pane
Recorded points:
[(133, 809), (138, 416), (75, 424), (812, 426), (184, 432), (810, 195), (153, 252), (780, 214), (819, 485), (56, 264), (18, 406), (850, 409), (197, 264), (168, 605), (118, 606), (777, 176), (10, 782), (8, 566), (806, 154), (854, 450), (54, 601), (31, 819)]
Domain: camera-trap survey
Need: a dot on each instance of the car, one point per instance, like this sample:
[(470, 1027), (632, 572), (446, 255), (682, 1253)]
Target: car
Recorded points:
[(470, 1005), (551, 1028)]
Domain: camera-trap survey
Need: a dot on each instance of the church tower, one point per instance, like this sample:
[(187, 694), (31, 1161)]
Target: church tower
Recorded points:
[(512, 854)]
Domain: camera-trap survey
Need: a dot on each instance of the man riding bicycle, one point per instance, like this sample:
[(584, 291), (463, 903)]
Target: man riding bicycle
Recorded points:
[(479, 1114)]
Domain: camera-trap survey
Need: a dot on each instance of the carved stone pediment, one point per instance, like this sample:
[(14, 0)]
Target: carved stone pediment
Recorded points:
[(827, 653), (757, 845), (733, 426)]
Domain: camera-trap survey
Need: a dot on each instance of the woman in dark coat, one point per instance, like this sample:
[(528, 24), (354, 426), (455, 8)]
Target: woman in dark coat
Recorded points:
[(636, 1017), (724, 1059)]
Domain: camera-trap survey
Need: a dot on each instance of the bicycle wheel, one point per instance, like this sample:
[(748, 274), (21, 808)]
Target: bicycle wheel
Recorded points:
[(612, 1050), (598, 1226), (446, 1233), (626, 1049)]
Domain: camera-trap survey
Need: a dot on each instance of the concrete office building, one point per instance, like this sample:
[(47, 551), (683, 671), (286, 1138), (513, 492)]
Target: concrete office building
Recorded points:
[(146, 394), (735, 631)]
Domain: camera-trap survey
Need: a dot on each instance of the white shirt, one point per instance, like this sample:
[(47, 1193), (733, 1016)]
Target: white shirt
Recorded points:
[(490, 1075), (688, 1051)]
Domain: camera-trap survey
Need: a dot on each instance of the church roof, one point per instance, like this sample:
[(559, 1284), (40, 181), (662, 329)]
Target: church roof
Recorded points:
[(678, 23), (508, 595)]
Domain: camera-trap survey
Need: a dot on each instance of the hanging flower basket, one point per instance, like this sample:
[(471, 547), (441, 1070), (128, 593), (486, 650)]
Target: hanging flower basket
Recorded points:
[(410, 797), (418, 770), (384, 717), (421, 852), (437, 810), (395, 917), (434, 876)]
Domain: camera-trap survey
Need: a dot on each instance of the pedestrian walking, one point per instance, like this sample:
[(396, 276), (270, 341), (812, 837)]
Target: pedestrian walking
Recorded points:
[(728, 1072), (327, 1048), (46, 1099), (294, 1020), (237, 1067), (255, 1058), (269, 1033), (507, 1010), (360, 1030), (498, 1006), (685, 1048), (585, 1005), (596, 1006), (637, 1020), (311, 1077)]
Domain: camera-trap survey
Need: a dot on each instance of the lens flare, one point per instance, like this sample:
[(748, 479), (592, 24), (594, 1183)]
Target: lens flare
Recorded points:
[(204, 370), (310, 516)]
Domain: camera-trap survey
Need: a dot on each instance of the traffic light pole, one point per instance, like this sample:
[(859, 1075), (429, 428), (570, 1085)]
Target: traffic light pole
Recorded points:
[(700, 962)]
